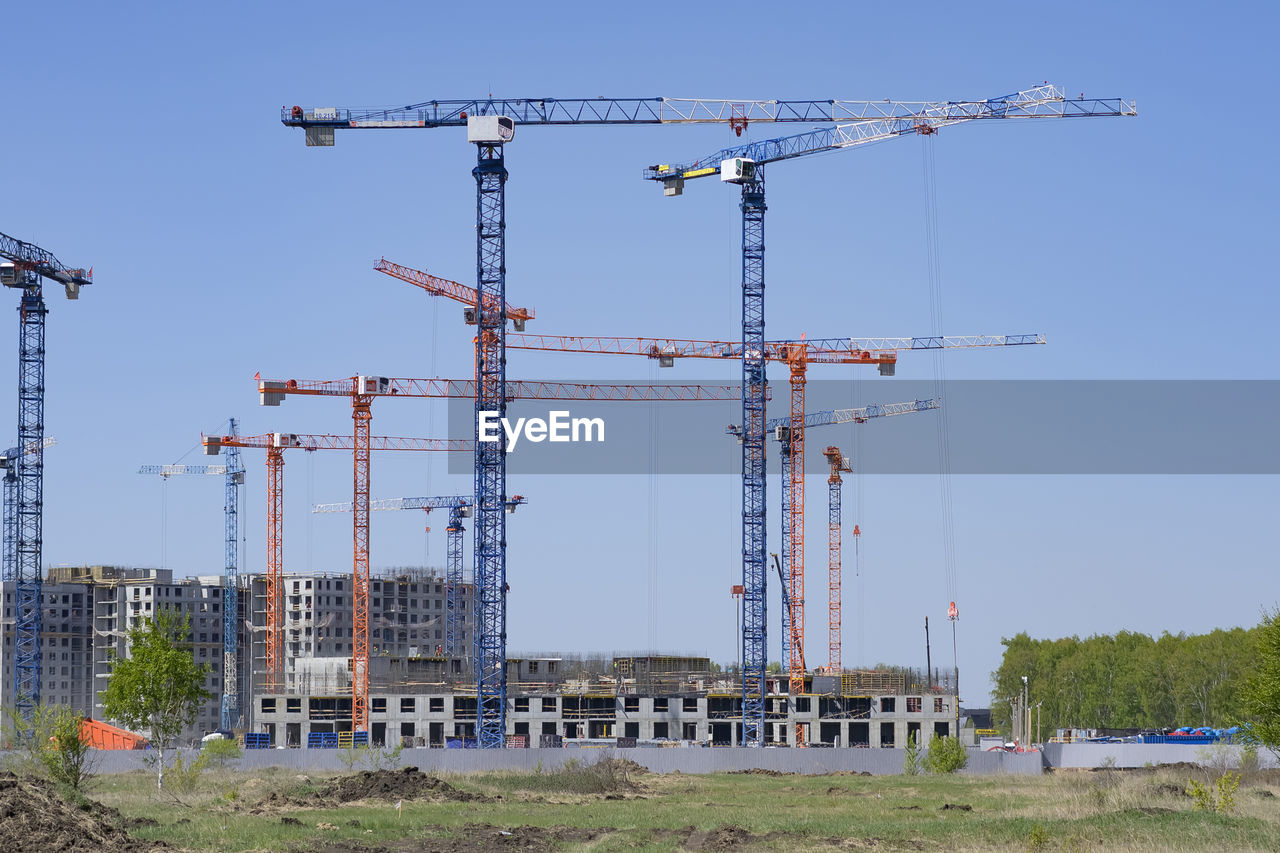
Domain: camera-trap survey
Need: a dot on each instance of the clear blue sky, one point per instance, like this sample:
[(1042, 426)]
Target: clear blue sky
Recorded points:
[(144, 139)]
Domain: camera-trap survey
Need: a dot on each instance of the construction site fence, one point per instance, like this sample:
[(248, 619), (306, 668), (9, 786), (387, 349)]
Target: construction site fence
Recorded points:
[(689, 758)]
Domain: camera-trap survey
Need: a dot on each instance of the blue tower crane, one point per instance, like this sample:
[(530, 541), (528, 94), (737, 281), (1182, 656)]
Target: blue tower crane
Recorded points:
[(233, 471), (459, 508), (490, 124), (743, 165), (24, 268)]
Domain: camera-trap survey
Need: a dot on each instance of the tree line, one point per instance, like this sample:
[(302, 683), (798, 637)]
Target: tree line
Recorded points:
[(1128, 680)]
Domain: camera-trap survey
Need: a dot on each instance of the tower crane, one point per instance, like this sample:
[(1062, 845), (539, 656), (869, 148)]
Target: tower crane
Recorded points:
[(233, 471), (24, 268), (275, 444), (839, 465), (785, 431), (490, 125), (490, 636), (744, 165), (459, 508), (9, 465)]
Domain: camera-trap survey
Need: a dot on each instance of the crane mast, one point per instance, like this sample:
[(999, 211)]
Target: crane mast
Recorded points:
[(489, 661), (839, 464), (25, 267), (231, 587), (9, 463)]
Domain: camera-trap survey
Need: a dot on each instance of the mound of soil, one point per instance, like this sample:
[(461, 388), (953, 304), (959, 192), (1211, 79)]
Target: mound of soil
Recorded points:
[(406, 784), (34, 818), (631, 766)]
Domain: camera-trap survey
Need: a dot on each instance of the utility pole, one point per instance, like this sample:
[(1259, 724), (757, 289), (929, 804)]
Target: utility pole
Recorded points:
[(928, 655), (1025, 713)]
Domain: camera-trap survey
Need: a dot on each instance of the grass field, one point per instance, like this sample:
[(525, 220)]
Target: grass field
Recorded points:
[(626, 808)]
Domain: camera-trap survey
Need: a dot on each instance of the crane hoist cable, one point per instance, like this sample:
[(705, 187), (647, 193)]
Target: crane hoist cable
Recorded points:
[(934, 263), (859, 584), (654, 584), (431, 417)]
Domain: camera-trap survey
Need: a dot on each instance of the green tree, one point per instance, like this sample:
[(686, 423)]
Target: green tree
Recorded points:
[(1126, 680), (158, 687), (1260, 695)]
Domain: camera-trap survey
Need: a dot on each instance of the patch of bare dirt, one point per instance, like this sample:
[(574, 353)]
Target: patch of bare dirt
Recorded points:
[(721, 838), (473, 838), (1178, 767), (34, 818), (486, 838)]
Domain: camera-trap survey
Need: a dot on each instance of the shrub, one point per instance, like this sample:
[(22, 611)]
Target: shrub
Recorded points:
[(1249, 763), (374, 758), (48, 744), (1219, 797), (607, 775), (184, 776), (911, 760), (222, 752), (946, 755)]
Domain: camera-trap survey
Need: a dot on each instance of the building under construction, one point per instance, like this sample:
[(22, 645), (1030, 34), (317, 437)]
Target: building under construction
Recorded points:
[(423, 696), (430, 701)]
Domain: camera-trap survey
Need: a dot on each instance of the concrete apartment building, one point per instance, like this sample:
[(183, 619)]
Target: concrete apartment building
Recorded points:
[(406, 619), (420, 694), (419, 701), (88, 613)]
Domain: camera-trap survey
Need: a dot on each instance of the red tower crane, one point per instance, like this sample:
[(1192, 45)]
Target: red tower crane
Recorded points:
[(275, 444), (364, 389)]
